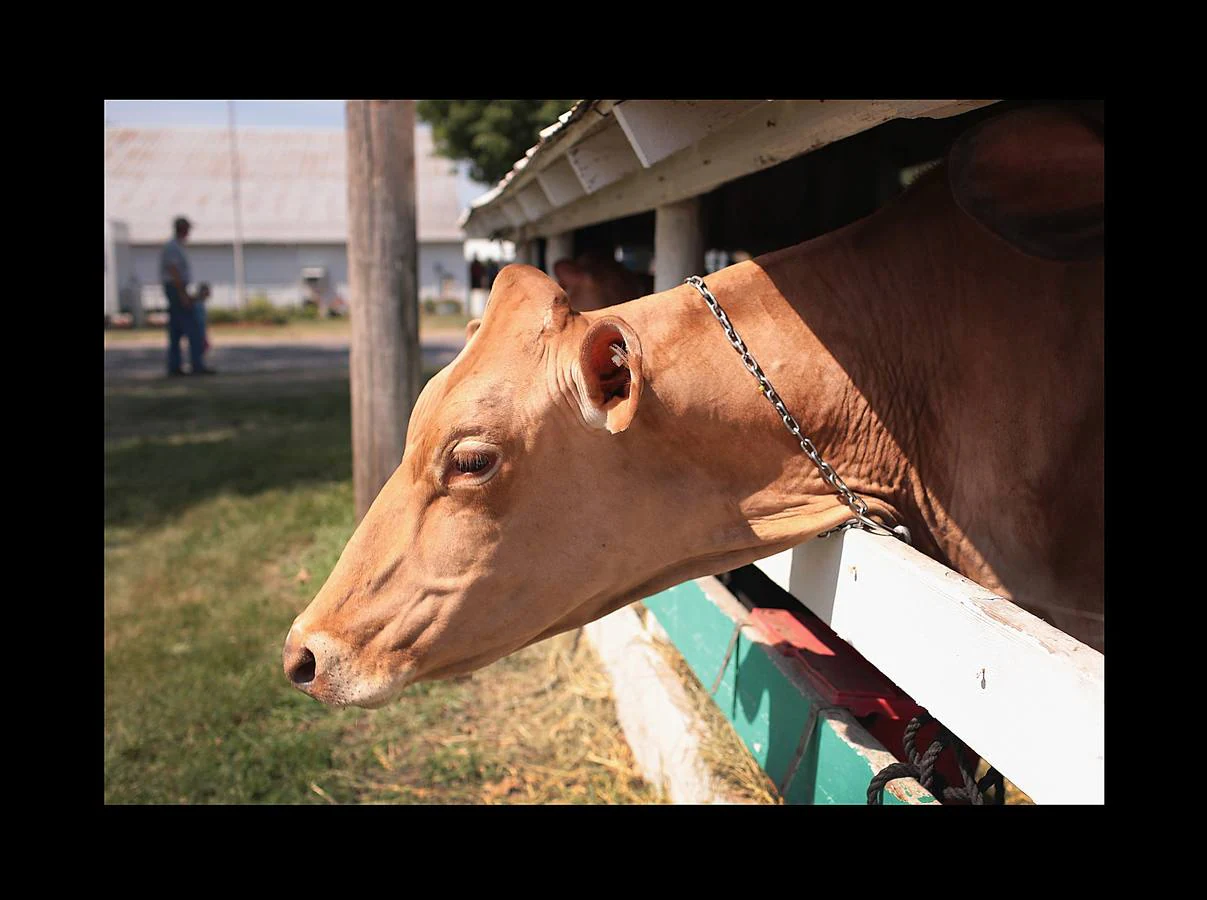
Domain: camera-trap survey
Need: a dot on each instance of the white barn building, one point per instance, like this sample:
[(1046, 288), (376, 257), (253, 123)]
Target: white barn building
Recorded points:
[(294, 211)]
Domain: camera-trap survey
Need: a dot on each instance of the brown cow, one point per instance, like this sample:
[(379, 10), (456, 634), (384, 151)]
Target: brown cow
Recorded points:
[(594, 280), (945, 355)]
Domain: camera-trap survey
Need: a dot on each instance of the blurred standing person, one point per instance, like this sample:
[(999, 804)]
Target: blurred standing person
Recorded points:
[(477, 288), (174, 274), (203, 294)]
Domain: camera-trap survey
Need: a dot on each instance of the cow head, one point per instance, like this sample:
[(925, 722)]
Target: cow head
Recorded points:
[(497, 528), (595, 281)]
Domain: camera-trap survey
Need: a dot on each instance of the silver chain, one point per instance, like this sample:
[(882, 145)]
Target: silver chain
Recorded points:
[(853, 501)]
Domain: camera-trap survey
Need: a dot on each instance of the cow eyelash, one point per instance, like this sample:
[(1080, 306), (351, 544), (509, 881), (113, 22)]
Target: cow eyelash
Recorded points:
[(470, 463)]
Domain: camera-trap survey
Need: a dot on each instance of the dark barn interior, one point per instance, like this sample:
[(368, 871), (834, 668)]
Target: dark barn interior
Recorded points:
[(801, 198)]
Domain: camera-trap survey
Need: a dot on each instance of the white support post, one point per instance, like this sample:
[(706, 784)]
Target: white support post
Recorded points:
[(678, 243), (112, 276), (121, 287), (558, 246), (240, 277)]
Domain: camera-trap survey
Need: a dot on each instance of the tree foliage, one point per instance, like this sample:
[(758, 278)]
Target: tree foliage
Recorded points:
[(490, 134)]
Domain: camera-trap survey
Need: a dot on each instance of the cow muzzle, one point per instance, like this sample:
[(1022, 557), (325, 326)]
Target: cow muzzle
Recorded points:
[(323, 668), (301, 666)]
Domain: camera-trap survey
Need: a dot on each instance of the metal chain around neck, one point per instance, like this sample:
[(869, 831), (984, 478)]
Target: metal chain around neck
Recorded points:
[(853, 501)]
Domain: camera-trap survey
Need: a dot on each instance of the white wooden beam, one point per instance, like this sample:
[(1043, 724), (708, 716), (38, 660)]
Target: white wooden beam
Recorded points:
[(843, 722), (486, 222), (560, 183), (534, 202), (658, 128), (603, 158), (953, 108), (499, 222), (1027, 697), (513, 212)]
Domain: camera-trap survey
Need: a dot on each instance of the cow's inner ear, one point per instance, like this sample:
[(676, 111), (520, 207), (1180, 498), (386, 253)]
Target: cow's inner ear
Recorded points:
[(610, 366)]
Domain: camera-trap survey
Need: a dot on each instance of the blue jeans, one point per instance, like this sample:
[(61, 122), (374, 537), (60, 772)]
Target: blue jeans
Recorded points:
[(182, 323)]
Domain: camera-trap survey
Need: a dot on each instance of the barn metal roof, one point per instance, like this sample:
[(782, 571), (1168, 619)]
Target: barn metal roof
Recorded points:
[(293, 185)]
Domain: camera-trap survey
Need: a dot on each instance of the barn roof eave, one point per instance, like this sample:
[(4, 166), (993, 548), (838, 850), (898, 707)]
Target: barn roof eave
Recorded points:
[(606, 159)]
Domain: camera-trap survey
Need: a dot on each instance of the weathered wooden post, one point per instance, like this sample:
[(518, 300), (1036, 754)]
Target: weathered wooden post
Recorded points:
[(678, 243), (383, 282)]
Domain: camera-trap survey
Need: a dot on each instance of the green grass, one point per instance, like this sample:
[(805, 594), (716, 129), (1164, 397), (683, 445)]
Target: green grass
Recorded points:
[(293, 329), (227, 502)]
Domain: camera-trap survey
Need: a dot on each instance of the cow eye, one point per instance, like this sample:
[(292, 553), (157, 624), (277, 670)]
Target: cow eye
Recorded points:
[(472, 462)]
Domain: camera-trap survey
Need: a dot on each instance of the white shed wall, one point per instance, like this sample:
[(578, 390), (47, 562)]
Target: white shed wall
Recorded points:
[(276, 271)]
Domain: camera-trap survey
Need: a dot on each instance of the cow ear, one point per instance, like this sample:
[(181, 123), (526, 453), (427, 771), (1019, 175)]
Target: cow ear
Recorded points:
[(609, 374), (557, 313), (471, 328), (1034, 177)]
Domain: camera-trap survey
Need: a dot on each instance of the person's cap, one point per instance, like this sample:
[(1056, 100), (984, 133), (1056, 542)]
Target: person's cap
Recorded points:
[(181, 222)]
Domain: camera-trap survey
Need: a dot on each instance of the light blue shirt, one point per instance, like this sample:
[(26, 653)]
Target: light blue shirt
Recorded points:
[(173, 255)]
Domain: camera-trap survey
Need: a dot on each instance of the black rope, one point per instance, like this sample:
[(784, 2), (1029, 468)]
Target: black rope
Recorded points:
[(806, 738), (922, 769), (733, 642)]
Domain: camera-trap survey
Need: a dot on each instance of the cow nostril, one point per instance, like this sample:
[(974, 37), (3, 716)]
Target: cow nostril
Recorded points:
[(303, 672)]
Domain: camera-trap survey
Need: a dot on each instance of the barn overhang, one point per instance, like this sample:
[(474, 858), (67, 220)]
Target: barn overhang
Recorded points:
[(607, 159)]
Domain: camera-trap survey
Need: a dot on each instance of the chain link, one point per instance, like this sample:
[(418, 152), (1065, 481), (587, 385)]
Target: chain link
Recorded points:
[(853, 501)]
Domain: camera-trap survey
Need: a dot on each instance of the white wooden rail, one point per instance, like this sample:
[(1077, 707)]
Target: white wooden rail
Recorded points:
[(1027, 697)]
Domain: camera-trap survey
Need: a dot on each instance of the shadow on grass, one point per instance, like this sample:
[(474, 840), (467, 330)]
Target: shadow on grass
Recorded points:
[(170, 444)]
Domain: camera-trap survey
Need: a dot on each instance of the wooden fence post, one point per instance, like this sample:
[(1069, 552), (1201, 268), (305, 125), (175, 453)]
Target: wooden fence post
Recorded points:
[(383, 282)]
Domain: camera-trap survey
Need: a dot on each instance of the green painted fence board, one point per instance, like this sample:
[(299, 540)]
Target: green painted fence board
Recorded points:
[(769, 711)]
